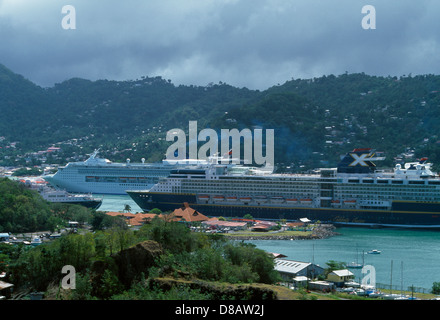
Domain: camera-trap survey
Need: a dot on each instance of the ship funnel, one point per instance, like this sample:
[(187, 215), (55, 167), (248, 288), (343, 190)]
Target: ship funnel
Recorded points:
[(359, 161)]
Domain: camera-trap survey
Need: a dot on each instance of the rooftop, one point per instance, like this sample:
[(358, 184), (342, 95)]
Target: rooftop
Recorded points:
[(188, 214), (134, 219), (290, 266), (5, 285), (342, 273)]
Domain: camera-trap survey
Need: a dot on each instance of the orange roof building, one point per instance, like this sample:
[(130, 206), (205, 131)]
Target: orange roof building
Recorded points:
[(134, 219), (185, 213), (188, 214)]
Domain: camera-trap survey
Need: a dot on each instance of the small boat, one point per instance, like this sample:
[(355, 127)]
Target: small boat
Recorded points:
[(374, 251), (354, 265), (394, 297), (36, 241), (376, 294)]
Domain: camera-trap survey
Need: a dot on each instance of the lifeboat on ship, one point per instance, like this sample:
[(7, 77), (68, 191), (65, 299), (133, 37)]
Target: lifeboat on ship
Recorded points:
[(245, 199), (231, 198), (277, 199), (218, 198), (350, 202), (306, 201), (291, 200), (261, 198), (203, 197)]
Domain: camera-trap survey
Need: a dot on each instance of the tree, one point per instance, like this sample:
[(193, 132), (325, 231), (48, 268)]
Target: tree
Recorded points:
[(259, 262), (110, 285), (248, 216), (334, 265), (436, 288)]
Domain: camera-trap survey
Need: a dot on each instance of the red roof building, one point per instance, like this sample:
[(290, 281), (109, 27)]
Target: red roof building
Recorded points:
[(186, 213), (134, 219)]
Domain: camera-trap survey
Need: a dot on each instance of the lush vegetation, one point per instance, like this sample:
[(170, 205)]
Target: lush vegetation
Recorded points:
[(315, 120), (23, 210), (185, 255)]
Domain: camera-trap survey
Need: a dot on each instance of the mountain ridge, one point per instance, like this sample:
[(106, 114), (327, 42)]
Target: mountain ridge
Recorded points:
[(315, 120)]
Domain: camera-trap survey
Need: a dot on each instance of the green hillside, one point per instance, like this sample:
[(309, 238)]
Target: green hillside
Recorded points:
[(315, 120)]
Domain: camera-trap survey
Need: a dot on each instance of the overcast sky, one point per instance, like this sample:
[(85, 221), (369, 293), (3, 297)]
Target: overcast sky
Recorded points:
[(245, 43)]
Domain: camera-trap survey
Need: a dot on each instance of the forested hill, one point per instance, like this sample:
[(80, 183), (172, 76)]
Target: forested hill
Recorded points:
[(334, 114), (315, 120)]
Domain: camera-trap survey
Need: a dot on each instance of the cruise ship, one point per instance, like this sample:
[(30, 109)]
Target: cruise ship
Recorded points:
[(355, 193), (61, 196), (101, 176)]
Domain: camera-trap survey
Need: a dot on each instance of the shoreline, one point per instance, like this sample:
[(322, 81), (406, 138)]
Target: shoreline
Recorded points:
[(321, 232)]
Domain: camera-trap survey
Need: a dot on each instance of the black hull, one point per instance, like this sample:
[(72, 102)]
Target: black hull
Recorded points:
[(402, 215), (92, 204)]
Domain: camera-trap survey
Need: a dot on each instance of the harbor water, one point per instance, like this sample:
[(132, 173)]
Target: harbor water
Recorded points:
[(116, 203), (407, 258)]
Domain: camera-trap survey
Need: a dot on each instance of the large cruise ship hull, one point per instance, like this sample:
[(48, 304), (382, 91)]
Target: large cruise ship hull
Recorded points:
[(402, 214)]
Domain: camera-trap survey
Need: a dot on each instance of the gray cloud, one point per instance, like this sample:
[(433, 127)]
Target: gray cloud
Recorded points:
[(250, 43)]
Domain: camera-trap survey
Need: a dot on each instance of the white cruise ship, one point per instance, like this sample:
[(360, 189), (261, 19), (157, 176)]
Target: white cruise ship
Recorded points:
[(60, 196), (101, 176)]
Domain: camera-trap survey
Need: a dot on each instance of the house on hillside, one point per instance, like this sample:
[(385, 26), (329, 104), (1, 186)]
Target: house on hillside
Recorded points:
[(5, 290), (339, 277)]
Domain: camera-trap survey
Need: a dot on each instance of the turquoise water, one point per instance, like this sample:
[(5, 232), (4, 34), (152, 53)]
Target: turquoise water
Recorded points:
[(413, 255), (418, 250), (117, 203)]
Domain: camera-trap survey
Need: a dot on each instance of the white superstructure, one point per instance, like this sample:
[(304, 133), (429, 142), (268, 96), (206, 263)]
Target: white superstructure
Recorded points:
[(60, 196), (101, 176), (353, 193)]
